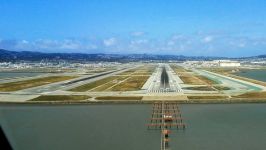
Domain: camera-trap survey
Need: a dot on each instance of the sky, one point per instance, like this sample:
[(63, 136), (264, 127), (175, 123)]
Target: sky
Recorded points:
[(231, 28)]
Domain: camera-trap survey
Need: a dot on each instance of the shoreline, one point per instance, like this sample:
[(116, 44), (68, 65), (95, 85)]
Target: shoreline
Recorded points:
[(205, 101)]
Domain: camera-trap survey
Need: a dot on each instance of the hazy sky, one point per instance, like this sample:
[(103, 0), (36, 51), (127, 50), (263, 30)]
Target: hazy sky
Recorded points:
[(180, 27)]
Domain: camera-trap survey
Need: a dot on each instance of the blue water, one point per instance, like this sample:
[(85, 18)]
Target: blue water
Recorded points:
[(254, 74), (120, 127)]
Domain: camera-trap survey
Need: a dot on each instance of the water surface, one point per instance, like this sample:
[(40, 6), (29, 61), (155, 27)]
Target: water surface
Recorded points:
[(254, 74), (117, 127)]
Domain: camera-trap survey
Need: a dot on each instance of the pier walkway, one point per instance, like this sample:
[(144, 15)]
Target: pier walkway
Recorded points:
[(165, 117)]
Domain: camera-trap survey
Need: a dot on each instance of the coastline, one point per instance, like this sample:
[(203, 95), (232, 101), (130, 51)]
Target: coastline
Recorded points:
[(205, 101)]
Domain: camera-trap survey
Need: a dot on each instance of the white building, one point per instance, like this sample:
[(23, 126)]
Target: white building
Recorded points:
[(229, 63)]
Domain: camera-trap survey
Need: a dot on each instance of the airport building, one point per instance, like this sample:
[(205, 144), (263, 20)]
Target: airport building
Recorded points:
[(229, 63), (213, 63)]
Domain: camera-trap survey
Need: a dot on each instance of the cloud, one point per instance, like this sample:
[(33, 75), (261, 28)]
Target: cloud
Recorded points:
[(137, 33), (139, 46), (138, 42), (70, 44), (191, 44), (48, 45), (110, 42), (171, 43), (25, 42), (177, 37), (207, 39)]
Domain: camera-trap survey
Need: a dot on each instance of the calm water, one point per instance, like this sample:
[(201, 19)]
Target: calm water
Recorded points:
[(254, 74), (118, 127)]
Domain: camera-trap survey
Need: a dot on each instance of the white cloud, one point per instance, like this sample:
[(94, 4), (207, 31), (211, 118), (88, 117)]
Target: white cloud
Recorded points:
[(46, 44), (171, 43), (137, 33), (241, 45), (110, 42), (138, 42), (70, 44), (177, 37), (193, 44), (207, 39), (91, 46), (25, 42)]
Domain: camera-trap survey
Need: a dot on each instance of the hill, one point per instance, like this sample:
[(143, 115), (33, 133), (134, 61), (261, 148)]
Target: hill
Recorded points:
[(14, 56)]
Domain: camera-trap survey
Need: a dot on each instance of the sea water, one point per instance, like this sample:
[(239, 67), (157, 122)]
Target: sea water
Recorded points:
[(113, 127)]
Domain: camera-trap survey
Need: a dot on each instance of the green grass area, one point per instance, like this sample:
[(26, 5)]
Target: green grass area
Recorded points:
[(206, 97), (109, 84), (20, 85), (191, 79), (206, 80), (99, 85), (178, 69), (104, 87), (61, 98), (89, 86), (143, 70), (127, 72), (220, 70), (142, 73), (41, 70), (119, 98), (132, 84), (147, 67), (252, 95), (222, 88), (201, 88)]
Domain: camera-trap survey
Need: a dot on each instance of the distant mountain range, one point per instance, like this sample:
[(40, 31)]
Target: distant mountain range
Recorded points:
[(15, 56), (261, 56)]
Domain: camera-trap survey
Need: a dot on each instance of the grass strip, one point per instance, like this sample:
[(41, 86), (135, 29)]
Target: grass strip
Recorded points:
[(206, 97), (132, 84), (222, 88), (201, 88), (251, 95), (119, 98), (61, 98), (19, 85), (92, 85)]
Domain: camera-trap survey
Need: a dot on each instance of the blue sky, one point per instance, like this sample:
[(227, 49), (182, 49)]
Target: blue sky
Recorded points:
[(180, 27)]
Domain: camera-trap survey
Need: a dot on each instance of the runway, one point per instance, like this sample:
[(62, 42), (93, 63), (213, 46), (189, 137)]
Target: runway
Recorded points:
[(164, 80)]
